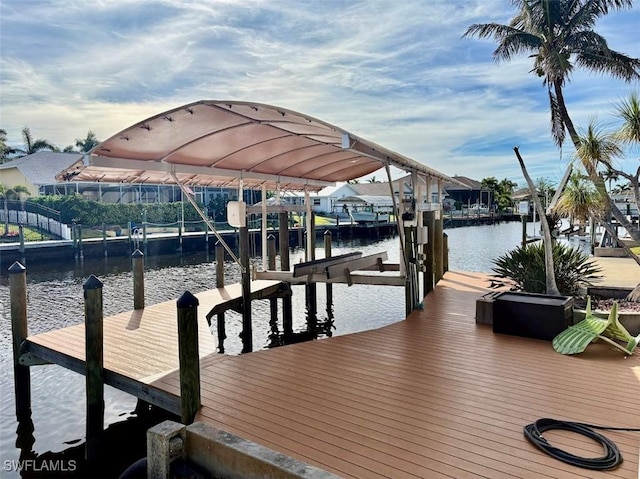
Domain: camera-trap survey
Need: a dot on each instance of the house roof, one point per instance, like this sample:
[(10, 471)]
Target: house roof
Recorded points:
[(469, 184), (377, 189), (384, 200), (42, 167), (228, 143)]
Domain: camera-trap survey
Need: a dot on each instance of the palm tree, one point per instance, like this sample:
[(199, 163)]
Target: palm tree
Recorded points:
[(7, 194), (33, 146), (580, 200), (87, 144), (559, 35)]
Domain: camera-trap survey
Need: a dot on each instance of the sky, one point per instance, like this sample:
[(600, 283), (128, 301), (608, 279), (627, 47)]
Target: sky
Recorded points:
[(397, 73)]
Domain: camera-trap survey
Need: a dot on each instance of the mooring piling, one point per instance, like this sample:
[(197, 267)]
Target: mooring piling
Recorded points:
[(189, 356), (445, 252), (222, 334), (94, 356), (329, 286), (137, 259), (273, 302), (19, 332), (247, 333), (287, 305)]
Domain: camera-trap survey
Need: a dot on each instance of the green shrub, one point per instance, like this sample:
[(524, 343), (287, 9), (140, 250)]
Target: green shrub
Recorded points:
[(525, 266)]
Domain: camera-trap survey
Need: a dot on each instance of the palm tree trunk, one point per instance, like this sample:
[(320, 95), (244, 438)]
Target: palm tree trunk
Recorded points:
[(550, 278)]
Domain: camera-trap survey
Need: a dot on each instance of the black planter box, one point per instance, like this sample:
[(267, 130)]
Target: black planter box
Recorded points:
[(537, 316)]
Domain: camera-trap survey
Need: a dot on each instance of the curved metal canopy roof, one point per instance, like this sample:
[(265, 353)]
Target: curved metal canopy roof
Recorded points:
[(226, 143)]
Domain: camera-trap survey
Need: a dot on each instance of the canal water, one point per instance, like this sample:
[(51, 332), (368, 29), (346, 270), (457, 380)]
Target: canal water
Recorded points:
[(55, 300)]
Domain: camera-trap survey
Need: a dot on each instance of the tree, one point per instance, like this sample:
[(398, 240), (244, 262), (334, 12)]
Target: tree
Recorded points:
[(8, 194), (86, 144), (33, 146), (559, 35), (580, 200), (597, 151)]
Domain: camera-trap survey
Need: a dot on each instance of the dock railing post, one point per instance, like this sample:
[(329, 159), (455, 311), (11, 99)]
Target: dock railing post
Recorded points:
[(19, 331), (287, 305), (222, 334), (189, 356), (247, 333), (94, 366), (329, 286), (138, 279)]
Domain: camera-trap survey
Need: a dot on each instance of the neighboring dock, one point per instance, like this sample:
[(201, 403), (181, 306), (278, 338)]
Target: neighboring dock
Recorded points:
[(435, 395)]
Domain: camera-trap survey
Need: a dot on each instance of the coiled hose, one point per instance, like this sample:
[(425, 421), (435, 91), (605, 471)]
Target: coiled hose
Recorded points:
[(611, 459)]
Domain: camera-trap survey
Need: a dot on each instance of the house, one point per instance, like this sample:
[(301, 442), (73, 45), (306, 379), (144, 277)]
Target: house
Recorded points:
[(465, 192), (37, 172)]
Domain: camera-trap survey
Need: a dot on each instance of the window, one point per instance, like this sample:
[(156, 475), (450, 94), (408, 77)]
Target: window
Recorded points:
[(317, 202)]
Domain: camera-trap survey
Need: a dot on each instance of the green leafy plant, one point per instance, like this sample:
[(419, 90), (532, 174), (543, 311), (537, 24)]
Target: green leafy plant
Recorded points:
[(576, 338), (525, 267)]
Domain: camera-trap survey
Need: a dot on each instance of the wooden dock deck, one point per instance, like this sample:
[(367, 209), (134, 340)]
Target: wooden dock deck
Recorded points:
[(142, 345), (432, 396)]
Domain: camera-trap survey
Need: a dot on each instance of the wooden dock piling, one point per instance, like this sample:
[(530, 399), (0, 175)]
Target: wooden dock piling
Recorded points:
[(427, 277), (138, 279), (273, 302), (311, 289), (19, 331), (189, 356), (438, 271), (285, 265), (329, 286), (445, 252), (104, 239), (94, 354), (247, 332), (220, 325)]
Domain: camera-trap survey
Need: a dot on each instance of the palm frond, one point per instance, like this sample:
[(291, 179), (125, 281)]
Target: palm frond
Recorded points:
[(629, 111), (557, 124)]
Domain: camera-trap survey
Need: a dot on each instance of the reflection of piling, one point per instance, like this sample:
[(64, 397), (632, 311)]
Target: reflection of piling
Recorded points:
[(138, 279), (94, 366), (21, 239), (247, 333), (287, 307), (329, 286), (222, 334), (189, 355), (19, 331), (104, 239), (80, 252)]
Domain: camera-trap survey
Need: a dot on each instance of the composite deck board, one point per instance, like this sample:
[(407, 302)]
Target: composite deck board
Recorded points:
[(435, 394)]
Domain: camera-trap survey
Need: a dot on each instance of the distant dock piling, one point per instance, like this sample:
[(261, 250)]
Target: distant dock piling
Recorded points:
[(329, 286), (138, 279), (19, 331)]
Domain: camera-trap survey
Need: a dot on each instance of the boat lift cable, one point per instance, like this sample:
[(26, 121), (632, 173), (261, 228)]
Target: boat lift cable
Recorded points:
[(205, 219), (610, 460)]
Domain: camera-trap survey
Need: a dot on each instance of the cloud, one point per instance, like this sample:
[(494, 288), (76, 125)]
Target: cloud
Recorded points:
[(396, 73)]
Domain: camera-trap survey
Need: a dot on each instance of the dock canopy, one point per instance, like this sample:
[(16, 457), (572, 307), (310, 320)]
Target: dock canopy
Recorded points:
[(231, 143)]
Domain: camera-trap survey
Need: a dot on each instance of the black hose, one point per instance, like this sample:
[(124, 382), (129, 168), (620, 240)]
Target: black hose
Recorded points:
[(611, 459)]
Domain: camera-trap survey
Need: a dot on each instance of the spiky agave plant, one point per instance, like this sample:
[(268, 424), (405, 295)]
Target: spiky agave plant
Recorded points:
[(525, 266)]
